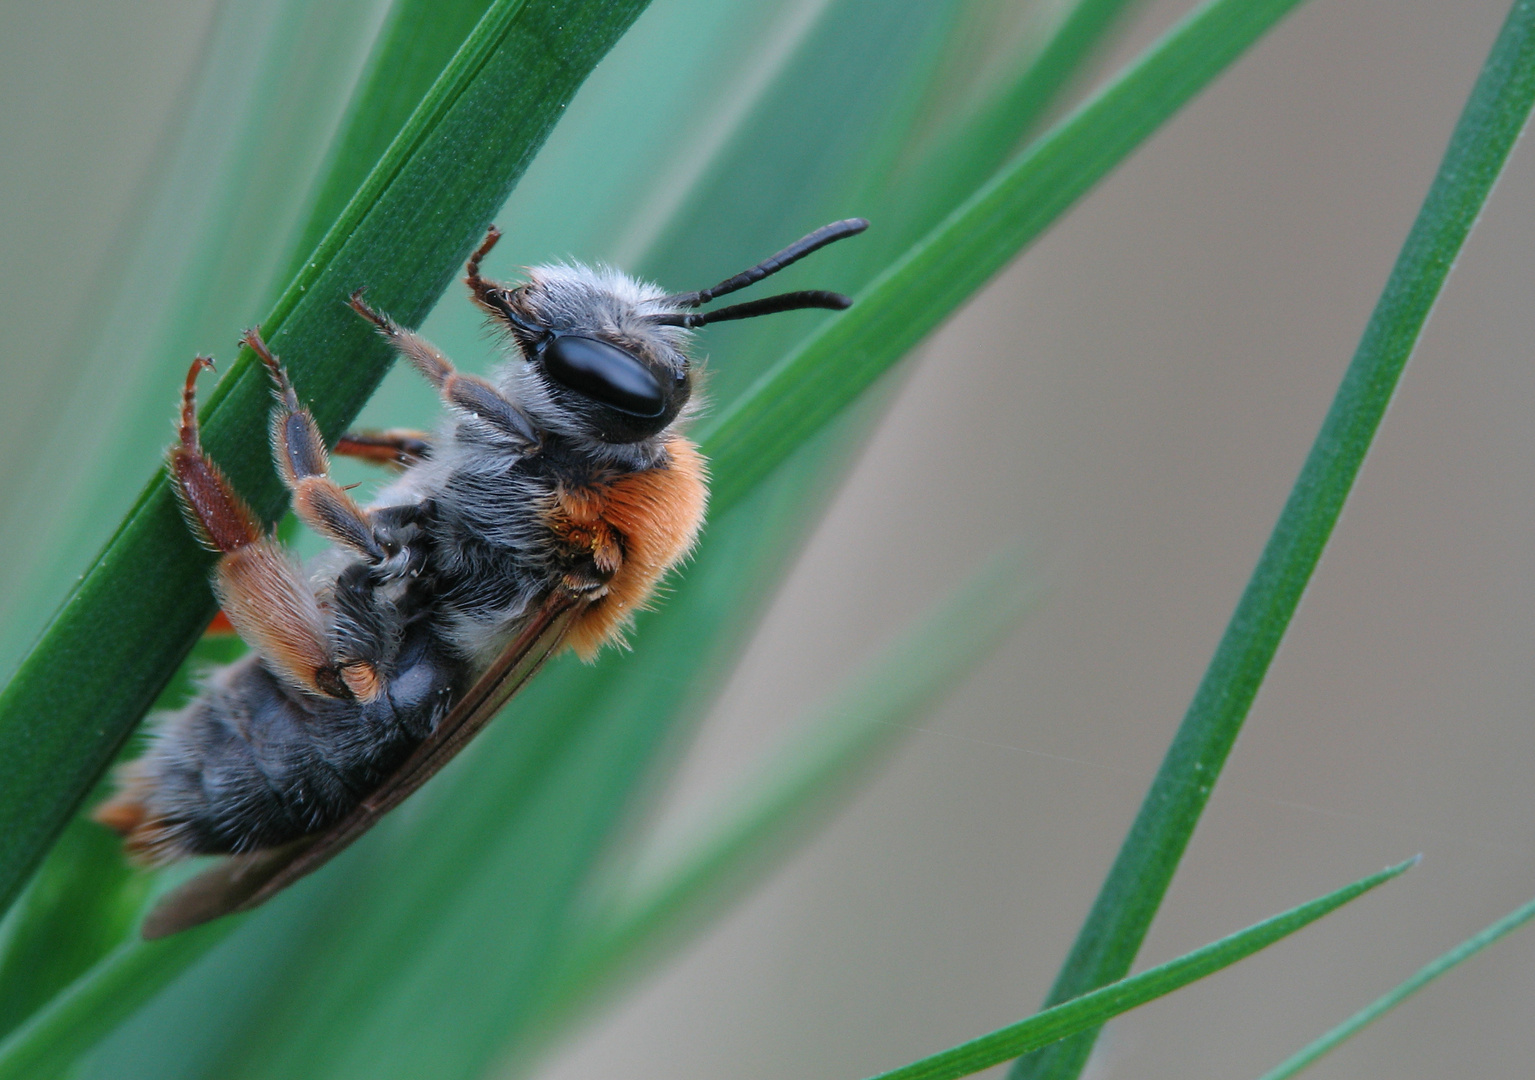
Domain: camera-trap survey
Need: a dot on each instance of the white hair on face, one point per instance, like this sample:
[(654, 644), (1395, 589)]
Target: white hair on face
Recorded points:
[(608, 304)]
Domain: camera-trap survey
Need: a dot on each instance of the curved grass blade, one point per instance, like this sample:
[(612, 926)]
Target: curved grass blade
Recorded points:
[(1122, 913), (921, 289), (84, 902), (845, 739), (94, 1005), (84, 897), (1092, 1009), (415, 46), (1386, 1002), (142, 604)]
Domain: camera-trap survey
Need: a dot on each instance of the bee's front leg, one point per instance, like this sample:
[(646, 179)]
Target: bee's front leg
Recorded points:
[(263, 594), (396, 447), (319, 501), (465, 392)]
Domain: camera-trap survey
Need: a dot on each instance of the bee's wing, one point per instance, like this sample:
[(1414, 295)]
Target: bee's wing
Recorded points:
[(241, 882)]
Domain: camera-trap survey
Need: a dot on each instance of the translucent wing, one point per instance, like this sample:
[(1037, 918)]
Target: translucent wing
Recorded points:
[(241, 882)]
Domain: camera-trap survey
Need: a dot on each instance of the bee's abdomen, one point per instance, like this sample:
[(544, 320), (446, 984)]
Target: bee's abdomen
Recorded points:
[(254, 764)]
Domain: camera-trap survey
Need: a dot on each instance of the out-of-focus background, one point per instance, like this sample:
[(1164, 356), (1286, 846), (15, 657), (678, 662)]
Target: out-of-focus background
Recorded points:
[(1131, 400)]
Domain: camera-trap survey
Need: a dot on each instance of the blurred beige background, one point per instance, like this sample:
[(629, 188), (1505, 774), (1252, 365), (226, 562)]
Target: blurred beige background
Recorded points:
[(1132, 401)]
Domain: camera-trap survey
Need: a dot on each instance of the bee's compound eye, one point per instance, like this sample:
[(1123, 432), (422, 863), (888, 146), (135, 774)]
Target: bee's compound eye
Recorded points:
[(604, 373)]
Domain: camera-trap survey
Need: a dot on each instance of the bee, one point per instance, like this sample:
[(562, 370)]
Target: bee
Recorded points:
[(541, 516)]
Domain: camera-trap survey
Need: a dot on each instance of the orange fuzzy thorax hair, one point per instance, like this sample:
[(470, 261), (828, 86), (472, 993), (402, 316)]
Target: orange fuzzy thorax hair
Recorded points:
[(637, 527)]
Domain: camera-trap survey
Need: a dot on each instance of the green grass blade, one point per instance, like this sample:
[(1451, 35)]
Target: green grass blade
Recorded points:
[(846, 737), (93, 1006), (1092, 1009), (84, 902), (1479, 146), (200, 253), (417, 43), (1386, 1002), (86, 899), (84, 896), (925, 286), (142, 604)]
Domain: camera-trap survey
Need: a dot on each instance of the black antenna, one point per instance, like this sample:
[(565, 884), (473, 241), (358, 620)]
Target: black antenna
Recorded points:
[(488, 294), (826, 234), (768, 305), (496, 299)]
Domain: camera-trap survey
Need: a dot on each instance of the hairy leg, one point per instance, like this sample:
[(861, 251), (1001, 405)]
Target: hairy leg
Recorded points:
[(260, 590), (466, 392), (397, 447), (299, 453)]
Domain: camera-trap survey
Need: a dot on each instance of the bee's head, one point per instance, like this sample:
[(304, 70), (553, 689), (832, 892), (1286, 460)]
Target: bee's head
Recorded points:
[(607, 355), (598, 365)]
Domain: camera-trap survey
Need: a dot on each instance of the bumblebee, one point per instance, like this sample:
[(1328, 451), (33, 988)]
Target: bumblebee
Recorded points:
[(542, 515)]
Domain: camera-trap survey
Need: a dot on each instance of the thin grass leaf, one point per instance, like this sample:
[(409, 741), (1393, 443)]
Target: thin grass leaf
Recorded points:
[(52, 1038), (844, 740), (1122, 914), (810, 386), (81, 906), (209, 243), (141, 606), (85, 899), (1372, 1012), (415, 47), (1092, 1009)]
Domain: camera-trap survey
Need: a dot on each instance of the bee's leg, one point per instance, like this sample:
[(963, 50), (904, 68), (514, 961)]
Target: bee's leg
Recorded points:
[(396, 447), (216, 515), (299, 452), (261, 592), (472, 395)]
